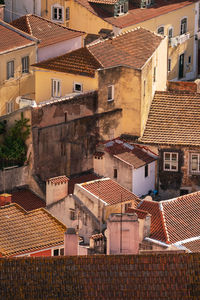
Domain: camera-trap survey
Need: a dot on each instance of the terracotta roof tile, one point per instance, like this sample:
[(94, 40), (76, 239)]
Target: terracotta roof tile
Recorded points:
[(132, 48), (174, 118), (58, 180), (109, 191), (22, 232), (137, 158), (27, 199), (103, 1), (10, 39), (135, 15), (193, 246), (142, 214), (46, 31), (79, 61)]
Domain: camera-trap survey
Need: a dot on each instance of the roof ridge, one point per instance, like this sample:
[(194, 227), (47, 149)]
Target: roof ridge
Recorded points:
[(164, 221), (29, 25)]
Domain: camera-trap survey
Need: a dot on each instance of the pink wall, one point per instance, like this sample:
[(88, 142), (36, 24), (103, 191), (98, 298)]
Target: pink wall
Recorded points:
[(42, 253), (2, 11)]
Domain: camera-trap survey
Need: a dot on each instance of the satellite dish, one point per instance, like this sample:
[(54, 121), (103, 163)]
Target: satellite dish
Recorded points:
[(17, 100), (77, 224), (148, 198)]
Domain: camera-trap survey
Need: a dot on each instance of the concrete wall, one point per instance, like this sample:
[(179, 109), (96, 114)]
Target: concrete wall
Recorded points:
[(141, 185), (15, 9), (2, 9)]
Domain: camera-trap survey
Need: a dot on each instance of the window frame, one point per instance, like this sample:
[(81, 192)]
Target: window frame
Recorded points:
[(171, 162), (56, 8), (12, 69), (183, 29), (55, 91), (172, 29), (9, 107), (112, 92), (72, 214), (67, 13), (169, 64), (59, 249), (121, 9), (77, 90), (193, 172), (25, 70), (161, 26), (154, 74), (146, 171), (115, 173)]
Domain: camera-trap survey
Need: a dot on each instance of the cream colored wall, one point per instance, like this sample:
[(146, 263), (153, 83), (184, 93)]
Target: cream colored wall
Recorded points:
[(173, 19), (43, 78), (117, 208), (21, 84)]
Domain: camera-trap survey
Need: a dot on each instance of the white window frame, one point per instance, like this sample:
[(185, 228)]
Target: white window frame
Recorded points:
[(120, 9), (154, 74), (75, 87), (170, 28), (55, 9), (111, 86), (186, 29), (67, 13), (171, 162), (10, 69), (161, 26), (57, 248), (198, 163), (9, 107), (55, 88), (25, 64)]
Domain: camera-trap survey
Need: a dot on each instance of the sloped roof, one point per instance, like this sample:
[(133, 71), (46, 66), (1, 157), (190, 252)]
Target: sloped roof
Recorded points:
[(46, 31), (153, 276), (132, 48), (27, 199), (174, 119), (135, 15), (176, 219), (109, 191), (22, 231), (11, 39), (80, 179), (133, 154), (79, 61)]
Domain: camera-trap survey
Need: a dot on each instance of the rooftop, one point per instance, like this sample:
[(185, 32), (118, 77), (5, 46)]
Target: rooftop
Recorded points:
[(109, 191), (174, 119), (46, 31), (27, 199), (175, 220), (80, 179), (132, 48), (134, 15), (12, 38), (22, 232)]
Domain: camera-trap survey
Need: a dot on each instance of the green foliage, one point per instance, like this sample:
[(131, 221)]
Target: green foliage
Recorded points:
[(13, 146), (2, 127), (1, 1)]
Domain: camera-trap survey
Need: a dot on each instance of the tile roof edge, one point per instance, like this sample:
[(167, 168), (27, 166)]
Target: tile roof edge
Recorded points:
[(116, 156), (20, 32), (179, 198), (164, 222), (157, 242), (195, 238), (93, 195), (29, 25)]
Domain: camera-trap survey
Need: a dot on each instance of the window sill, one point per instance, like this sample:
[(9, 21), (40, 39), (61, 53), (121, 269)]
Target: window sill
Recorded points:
[(110, 100), (58, 21)]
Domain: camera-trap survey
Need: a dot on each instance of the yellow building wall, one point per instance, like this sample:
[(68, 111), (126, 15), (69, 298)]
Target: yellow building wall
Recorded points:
[(117, 208), (43, 83), (21, 84), (173, 19)]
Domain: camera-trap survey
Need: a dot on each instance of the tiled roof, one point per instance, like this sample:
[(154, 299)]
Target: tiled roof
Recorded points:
[(174, 119), (158, 231), (136, 15), (79, 61), (22, 232), (176, 219), (132, 48), (10, 38), (109, 191), (133, 154), (46, 31), (193, 246), (103, 1), (27, 199), (146, 277), (58, 180), (142, 214), (80, 179)]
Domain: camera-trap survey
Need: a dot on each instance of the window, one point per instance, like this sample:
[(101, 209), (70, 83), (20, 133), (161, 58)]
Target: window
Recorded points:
[(169, 64), (146, 171), (56, 90), (78, 87), (9, 107), (170, 33), (25, 64), (85, 219), (72, 214), (170, 161), (10, 69), (57, 13), (144, 87), (58, 252), (195, 163), (67, 16), (154, 74), (183, 26), (189, 59), (110, 92), (127, 205), (115, 173), (161, 30), (120, 9)]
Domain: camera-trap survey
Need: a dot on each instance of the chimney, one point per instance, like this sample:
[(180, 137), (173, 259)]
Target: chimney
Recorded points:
[(5, 199), (122, 234), (71, 242), (56, 189)]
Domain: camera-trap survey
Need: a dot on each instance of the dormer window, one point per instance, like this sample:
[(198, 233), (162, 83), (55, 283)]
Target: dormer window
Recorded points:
[(120, 9)]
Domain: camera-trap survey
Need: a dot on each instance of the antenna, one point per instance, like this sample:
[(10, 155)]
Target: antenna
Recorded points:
[(121, 227)]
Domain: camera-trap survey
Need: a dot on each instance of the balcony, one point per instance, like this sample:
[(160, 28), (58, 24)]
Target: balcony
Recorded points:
[(179, 39)]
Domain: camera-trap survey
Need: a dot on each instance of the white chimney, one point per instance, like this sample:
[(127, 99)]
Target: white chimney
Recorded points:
[(56, 189)]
